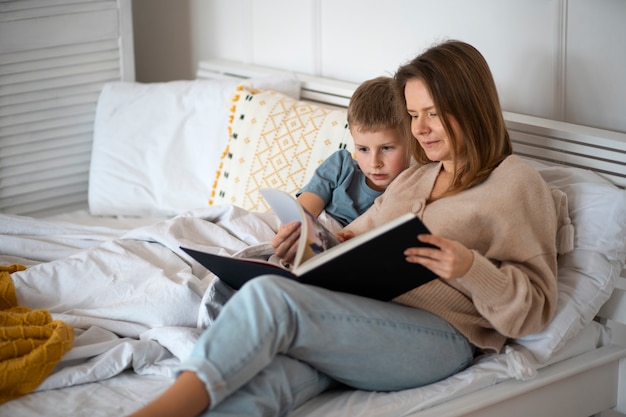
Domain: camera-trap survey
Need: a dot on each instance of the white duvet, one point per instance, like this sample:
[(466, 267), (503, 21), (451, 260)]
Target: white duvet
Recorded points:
[(138, 302), (134, 298)]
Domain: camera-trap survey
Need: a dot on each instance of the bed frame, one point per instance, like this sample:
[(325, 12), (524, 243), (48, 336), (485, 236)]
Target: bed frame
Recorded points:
[(585, 385)]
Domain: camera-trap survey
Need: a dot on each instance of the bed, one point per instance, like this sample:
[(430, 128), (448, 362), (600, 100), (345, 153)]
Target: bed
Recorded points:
[(180, 163)]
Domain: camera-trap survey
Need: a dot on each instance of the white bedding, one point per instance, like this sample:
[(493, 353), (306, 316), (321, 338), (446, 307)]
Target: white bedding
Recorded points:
[(123, 394), (138, 303)]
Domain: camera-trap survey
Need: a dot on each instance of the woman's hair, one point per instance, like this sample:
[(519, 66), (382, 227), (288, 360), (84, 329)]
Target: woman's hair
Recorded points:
[(376, 105), (461, 85)]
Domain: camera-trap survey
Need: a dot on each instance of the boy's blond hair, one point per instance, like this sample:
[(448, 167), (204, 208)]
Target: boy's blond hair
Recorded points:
[(376, 105)]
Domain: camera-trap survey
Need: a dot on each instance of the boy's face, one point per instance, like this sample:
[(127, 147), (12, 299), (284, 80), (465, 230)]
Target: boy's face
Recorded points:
[(381, 155)]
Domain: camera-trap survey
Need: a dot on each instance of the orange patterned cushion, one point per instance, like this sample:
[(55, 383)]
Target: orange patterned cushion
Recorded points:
[(274, 141)]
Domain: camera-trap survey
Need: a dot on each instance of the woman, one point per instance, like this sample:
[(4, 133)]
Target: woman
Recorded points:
[(277, 343)]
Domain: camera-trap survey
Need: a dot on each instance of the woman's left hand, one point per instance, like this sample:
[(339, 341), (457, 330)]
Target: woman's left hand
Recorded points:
[(451, 260)]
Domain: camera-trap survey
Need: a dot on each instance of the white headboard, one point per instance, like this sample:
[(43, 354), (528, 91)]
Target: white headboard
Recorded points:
[(561, 143), (548, 141)]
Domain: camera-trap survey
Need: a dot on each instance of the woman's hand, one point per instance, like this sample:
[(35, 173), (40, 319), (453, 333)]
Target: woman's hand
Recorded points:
[(344, 235), (451, 260), (285, 242)]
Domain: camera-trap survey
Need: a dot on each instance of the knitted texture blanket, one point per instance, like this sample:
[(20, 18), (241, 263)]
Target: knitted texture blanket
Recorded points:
[(31, 343)]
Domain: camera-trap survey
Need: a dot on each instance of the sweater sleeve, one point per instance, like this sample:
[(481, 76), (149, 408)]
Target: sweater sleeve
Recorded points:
[(516, 298), (513, 284)]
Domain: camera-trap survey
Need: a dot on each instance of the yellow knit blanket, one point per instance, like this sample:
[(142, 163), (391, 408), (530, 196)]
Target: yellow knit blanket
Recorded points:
[(31, 343)]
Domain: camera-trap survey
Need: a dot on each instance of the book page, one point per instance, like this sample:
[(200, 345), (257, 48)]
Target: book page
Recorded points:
[(284, 205), (318, 239), (314, 237)]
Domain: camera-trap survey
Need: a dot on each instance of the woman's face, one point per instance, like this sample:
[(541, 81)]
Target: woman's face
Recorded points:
[(426, 124)]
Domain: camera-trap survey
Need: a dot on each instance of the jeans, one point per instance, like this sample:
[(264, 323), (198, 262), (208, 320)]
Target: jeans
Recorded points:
[(278, 343)]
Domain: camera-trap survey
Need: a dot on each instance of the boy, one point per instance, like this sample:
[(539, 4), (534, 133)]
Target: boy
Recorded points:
[(344, 187)]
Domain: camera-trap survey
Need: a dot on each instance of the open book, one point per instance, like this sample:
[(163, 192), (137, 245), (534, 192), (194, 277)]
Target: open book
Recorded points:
[(371, 264)]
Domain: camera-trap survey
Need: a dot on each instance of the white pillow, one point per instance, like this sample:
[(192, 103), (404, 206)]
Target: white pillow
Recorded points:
[(586, 275), (596, 208), (157, 146)]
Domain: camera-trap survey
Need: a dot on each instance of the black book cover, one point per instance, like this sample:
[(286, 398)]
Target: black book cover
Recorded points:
[(370, 265)]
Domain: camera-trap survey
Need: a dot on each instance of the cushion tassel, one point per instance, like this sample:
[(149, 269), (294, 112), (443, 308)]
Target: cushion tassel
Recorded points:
[(565, 238)]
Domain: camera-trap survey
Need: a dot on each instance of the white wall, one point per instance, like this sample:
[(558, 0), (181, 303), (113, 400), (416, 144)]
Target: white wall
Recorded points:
[(561, 59), (162, 39)]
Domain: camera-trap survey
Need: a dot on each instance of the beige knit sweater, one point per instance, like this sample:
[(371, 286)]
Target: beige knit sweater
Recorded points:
[(510, 223)]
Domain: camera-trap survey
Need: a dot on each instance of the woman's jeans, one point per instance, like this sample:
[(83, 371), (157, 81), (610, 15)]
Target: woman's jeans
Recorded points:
[(278, 343)]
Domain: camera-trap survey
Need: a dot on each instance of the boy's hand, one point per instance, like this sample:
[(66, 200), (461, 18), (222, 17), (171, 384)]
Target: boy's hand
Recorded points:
[(285, 242)]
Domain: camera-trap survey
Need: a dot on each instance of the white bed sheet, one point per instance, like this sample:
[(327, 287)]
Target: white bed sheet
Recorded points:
[(126, 392), (29, 241), (126, 345)]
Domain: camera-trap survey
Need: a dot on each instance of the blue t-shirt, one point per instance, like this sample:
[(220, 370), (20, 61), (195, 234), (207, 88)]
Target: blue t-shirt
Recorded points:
[(341, 184)]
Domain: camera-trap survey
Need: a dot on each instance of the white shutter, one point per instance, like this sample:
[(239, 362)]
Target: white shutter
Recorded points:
[(55, 55)]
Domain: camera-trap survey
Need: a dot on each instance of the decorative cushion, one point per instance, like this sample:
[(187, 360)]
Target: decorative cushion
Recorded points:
[(586, 275), (157, 145), (277, 142)]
